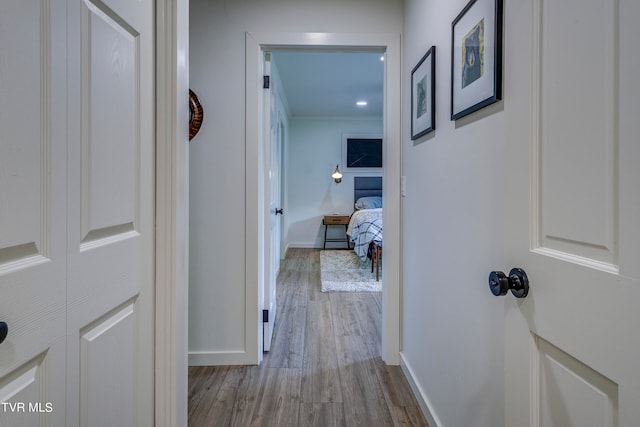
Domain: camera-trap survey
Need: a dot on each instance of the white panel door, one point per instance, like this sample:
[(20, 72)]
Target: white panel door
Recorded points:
[(275, 215), (272, 200), (76, 212), (573, 207), (111, 214), (33, 212)]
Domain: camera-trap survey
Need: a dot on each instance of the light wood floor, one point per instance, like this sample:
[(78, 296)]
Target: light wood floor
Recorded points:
[(324, 368)]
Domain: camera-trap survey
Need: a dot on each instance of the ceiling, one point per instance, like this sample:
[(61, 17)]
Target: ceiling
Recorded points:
[(329, 83)]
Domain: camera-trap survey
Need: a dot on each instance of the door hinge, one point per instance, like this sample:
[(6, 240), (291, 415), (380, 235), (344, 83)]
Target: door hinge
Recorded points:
[(265, 82), (265, 316)]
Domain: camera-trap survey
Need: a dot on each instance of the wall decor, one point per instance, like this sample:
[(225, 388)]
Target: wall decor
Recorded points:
[(423, 95), (197, 114), (476, 57), (361, 152)]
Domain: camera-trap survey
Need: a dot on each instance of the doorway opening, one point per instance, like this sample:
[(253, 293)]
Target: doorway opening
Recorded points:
[(323, 102), (257, 230)]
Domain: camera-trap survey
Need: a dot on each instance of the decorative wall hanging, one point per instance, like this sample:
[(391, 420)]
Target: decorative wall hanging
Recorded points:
[(423, 95), (476, 57), (196, 114), (362, 152)]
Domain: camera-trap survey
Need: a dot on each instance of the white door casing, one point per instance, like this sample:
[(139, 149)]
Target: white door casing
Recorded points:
[(80, 270), (571, 102), (172, 212)]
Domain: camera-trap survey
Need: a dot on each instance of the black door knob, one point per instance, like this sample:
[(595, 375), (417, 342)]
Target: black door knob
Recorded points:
[(279, 211), (4, 330), (517, 282)]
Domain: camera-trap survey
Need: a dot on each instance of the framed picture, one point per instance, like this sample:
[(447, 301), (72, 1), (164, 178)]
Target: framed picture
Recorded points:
[(423, 95), (476, 57), (361, 152)]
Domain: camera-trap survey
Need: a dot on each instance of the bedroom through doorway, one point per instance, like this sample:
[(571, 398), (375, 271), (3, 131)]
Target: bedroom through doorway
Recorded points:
[(327, 111), (259, 48)]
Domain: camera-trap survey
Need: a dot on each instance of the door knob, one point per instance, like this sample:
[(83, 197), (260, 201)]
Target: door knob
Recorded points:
[(279, 211), (4, 330), (517, 282)]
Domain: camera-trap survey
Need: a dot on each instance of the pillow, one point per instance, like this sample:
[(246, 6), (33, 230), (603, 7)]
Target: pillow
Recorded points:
[(372, 202)]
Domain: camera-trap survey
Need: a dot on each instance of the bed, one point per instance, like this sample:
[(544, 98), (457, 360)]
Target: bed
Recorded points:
[(365, 225)]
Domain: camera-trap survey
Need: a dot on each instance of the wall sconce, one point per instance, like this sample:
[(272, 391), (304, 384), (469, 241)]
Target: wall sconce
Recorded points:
[(337, 175)]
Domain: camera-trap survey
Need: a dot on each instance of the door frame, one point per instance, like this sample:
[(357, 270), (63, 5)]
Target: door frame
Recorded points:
[(172, 212), (255, 44)]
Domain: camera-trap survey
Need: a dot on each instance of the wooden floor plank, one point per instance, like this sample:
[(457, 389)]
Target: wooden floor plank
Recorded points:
[(362, 392), (395, 385), (214, 397), (249, 389), (278, 402), (409, 416), (289, 330), (322, 415), (324, 368), (344, 310), (198, 386), (320, 381)]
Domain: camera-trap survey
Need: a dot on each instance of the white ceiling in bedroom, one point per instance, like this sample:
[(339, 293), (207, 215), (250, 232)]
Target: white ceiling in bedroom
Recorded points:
[(330, 83)]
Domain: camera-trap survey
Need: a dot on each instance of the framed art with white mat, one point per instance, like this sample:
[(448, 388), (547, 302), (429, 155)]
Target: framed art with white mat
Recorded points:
[(476, 57), (423, 95)]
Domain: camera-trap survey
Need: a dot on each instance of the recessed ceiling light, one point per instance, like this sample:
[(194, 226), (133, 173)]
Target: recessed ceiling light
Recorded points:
[(361, 103)]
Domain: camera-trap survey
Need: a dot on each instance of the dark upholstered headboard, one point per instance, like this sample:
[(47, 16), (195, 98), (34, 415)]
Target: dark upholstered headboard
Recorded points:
[(365, 186)]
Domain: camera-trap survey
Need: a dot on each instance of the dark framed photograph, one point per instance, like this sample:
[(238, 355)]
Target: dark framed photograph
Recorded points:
[(476, 57), (423, 95), (362, 152)]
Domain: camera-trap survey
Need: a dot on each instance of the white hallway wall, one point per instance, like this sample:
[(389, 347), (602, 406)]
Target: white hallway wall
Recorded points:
[(314, 149), (453, 236), (217, 154)]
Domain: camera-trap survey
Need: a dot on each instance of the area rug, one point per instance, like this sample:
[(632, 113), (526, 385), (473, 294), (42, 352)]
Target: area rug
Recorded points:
[(344, 271)]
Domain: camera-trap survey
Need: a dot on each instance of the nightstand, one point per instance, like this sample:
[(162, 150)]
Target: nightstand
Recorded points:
[(335, 219)]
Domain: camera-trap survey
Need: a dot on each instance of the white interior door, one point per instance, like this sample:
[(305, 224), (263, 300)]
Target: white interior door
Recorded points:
[(272, 199), (275, 206), (111, 214), (76, 213), (33, 209), (571, 109)]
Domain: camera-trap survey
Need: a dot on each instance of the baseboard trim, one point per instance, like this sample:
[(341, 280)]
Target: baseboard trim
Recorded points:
[(214, 358), (303, 245), (426, 406)]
